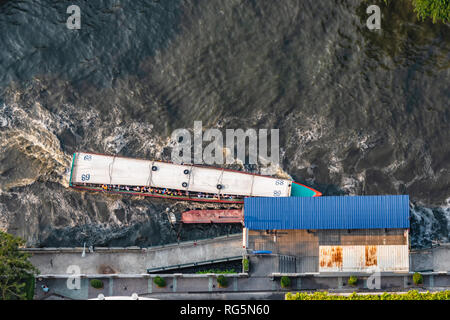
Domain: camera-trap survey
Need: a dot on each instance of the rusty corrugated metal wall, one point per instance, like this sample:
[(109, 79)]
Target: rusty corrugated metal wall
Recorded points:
[(306, 246), (362, 258)]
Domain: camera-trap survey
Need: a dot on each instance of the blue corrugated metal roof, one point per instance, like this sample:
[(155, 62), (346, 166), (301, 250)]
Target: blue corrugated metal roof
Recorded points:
[(341, 212)]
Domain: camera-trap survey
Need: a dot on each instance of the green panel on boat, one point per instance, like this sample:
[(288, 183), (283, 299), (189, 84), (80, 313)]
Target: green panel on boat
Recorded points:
[(299, 190)]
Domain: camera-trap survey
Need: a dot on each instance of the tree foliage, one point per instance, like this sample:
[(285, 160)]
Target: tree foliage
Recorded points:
[(435, 9), (410, 295), (15, 268)]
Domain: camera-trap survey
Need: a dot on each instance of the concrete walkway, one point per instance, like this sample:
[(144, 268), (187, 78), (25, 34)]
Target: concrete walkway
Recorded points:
[(240, 286), (134, 260)]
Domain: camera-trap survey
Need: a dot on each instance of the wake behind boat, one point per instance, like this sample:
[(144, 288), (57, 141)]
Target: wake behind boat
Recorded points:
[(116, 174)]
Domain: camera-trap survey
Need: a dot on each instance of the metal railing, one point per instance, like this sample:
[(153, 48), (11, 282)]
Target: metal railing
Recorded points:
[(193, 264)]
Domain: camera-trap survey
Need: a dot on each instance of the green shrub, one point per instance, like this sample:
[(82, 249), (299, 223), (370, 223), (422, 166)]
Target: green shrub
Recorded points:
[(97, 284), (285, 281), (352, 280), (246, 264), (160, 282), (410, 295), (222, 281), (417, 278)]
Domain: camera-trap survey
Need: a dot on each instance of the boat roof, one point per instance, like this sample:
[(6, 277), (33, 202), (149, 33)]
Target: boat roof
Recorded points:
[(115, 170)]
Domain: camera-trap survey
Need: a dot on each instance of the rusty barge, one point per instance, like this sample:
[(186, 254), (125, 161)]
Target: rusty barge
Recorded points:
[(213, 216)]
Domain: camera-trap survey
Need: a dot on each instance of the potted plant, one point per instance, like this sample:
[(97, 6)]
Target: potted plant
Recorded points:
[(417, 279), (352, 281), (222, 281), (285, 282), (160, 282), (96, 283), (245, 264)]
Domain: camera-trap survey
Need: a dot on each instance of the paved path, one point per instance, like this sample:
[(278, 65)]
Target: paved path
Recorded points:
[(134, 261), (239, 286)]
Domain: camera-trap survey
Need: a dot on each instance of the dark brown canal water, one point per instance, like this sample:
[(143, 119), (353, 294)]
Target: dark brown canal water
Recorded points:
[(359, 111)]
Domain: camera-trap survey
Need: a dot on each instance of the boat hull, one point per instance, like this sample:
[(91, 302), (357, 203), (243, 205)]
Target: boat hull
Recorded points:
[(179, 198), (139, 177)]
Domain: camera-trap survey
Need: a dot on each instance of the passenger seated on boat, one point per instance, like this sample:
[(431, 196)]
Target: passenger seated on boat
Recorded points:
[(104, 187)]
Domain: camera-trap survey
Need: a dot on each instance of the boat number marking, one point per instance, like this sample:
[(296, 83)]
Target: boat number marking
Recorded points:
[(276, 193), (85, 177), (279, 182), (88, 157)]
